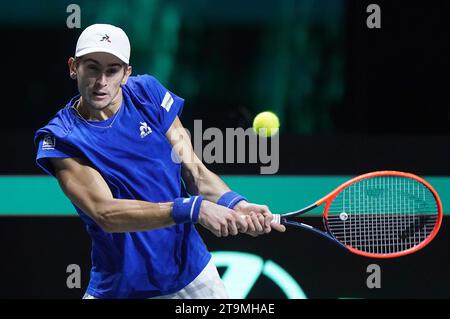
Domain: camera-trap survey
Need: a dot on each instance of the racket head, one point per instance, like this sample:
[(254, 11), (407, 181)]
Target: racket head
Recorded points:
[(384, 214)]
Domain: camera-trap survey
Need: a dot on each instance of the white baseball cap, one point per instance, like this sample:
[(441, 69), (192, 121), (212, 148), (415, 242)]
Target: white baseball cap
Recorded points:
[(104, 38)]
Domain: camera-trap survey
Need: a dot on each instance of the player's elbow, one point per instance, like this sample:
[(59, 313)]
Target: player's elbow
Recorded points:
[(104, 217), (106, 224)]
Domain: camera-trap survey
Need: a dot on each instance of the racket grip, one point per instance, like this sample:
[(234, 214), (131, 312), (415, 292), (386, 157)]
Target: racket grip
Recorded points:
[(276, 219)]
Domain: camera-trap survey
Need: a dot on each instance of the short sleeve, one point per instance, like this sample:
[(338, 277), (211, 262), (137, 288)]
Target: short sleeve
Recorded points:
[(169, 105), (50, 147)]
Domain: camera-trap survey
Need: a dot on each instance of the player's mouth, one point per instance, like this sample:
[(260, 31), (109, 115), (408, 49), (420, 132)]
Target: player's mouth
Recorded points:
[(99, 95)]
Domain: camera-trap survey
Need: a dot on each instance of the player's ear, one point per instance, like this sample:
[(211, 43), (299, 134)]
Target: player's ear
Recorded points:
[(128, 71), (72, 68)]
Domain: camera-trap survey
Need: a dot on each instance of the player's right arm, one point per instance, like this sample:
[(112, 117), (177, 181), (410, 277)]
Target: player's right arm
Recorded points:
[(87, 189)]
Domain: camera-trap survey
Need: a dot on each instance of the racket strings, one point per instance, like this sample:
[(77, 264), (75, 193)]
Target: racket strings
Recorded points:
[(383, 215), (366, 233)]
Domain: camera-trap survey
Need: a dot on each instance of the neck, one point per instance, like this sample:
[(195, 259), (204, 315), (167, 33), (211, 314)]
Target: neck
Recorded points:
[(91, 114)]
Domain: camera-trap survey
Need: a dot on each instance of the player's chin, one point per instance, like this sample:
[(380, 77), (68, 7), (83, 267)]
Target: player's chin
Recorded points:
[(99, 105)]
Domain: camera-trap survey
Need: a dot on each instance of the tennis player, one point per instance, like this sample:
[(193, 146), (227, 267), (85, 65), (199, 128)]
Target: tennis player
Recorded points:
[(113, 149)]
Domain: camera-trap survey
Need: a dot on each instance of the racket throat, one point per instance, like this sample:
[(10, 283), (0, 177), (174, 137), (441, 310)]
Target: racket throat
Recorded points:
[(313, 230)]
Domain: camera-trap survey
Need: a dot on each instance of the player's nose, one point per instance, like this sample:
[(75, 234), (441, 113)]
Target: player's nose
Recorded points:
[(101, 79)]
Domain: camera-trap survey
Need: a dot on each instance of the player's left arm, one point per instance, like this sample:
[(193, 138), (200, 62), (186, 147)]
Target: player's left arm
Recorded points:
[(200, 180)]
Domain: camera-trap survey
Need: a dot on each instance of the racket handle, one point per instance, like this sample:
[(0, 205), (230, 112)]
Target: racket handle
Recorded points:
[(276, 219)]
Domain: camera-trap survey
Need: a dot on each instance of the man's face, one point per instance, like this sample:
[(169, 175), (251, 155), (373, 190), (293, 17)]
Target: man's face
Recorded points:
[(99, 76)]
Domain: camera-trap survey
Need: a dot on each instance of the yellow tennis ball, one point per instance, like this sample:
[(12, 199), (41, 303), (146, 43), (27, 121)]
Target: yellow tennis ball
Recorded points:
[(266, 124)]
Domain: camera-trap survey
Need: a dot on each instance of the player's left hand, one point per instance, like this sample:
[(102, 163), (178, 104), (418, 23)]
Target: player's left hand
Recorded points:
[(259, 218)]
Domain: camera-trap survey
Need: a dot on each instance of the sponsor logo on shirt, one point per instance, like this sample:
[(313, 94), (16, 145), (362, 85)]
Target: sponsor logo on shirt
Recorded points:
[(48, 143), (167, 102), (145, 129)]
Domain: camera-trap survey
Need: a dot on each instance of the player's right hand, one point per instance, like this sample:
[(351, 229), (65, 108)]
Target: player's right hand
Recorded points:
[(220, 220)]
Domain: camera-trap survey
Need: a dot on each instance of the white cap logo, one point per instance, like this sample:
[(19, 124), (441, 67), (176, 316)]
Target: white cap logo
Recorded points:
[(105, 38)]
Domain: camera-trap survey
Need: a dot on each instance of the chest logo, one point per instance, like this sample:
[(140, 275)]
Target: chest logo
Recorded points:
[(145, 129)]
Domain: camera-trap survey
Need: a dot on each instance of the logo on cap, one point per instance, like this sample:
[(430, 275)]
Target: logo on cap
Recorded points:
[(105, 38)]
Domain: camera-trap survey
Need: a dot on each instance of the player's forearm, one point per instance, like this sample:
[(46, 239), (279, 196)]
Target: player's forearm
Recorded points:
[(212, 186), (123, 215), (202, 181)]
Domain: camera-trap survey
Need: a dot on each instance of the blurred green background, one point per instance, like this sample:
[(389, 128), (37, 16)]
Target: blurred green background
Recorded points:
[(228, 59), (315, 63), (351, 98)]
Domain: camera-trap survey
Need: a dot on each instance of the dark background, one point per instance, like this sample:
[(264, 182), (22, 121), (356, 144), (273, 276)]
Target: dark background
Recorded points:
[(39, 249), (391, 108), (350, 100)]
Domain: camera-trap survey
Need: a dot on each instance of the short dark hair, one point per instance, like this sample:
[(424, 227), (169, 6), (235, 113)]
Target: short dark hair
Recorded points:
[(78, 60)]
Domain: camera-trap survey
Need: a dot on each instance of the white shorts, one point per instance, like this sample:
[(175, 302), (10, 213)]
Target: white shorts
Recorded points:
[(207, 285)]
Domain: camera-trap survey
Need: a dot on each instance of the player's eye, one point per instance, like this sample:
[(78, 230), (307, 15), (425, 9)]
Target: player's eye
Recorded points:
[(112, 71), (92, 67)]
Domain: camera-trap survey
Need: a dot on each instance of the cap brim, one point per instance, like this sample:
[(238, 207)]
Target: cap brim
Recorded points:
[(100, 49)]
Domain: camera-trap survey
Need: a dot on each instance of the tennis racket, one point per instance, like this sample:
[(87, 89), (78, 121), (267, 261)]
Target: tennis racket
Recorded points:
[(382, 214)]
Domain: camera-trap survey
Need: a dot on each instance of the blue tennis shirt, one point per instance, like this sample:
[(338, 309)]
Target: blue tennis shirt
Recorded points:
[(131, 152)]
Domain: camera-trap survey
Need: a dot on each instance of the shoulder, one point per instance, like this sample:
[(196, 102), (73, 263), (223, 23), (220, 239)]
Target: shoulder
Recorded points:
[(143, 82), (145, 88), (60, 125)]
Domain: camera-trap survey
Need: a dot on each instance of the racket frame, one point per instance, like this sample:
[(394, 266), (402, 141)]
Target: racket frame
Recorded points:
[(328, 199)]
